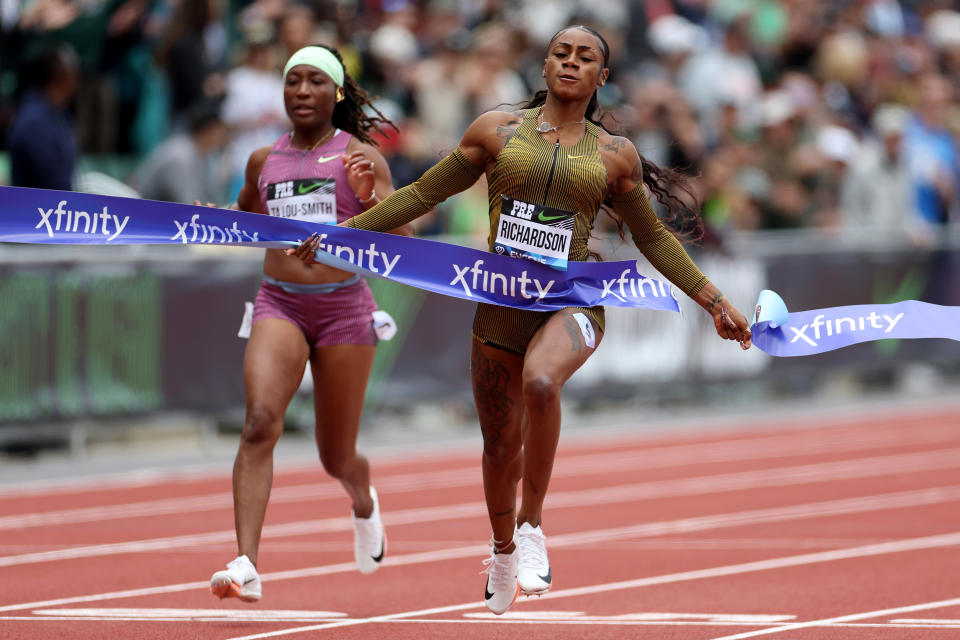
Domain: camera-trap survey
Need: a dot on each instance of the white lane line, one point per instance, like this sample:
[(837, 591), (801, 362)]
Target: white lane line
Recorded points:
[(804, 443), (246, 615), (924, 606), (704, 523), (913, 544), (438, 621), (757, 479), (926, 621)]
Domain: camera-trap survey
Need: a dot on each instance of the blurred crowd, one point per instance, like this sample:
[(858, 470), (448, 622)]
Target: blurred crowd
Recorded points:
[(783, 113)]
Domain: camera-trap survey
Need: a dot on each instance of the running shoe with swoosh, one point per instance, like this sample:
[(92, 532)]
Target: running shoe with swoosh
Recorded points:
[(501, 588), (533, 574), (369, 538), (238, 580)]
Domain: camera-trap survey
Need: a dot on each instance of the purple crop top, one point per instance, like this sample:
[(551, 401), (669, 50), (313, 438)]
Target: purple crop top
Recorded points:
[(308, 184)]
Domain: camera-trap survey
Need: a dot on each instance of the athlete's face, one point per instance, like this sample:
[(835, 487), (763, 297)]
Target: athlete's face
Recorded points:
[(309, 96), (574, 65)]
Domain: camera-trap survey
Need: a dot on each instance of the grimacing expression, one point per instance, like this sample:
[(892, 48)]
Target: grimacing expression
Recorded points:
[(309, 96), (574, 66)]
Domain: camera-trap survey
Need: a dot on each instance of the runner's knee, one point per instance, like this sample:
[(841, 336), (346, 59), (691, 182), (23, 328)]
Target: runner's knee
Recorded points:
[(540, 390), (336, 466), (263, 426)]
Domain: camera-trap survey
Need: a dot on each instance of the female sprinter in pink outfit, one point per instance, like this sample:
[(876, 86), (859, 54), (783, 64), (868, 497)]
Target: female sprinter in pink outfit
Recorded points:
[(326, 170)]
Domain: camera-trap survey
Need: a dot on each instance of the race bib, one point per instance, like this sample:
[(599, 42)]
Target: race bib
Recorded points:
[(535, 232), (309, 199)]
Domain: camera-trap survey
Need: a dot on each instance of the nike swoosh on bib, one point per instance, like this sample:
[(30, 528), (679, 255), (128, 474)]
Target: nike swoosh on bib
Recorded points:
[(323, 159), (307, 188), (543, 218)]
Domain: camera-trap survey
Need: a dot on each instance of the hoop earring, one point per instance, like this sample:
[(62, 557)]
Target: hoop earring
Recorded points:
[(340, 95)]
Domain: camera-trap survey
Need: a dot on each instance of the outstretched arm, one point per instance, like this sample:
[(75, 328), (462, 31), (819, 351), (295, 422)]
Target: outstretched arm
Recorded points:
[(455, 173), (451, 175), (667, 255)]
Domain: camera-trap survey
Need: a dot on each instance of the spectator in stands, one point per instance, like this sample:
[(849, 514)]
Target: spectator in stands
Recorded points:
[(876, 193), (933, 158), (191, 52), (181, 168), (253, 108), (41, 140)]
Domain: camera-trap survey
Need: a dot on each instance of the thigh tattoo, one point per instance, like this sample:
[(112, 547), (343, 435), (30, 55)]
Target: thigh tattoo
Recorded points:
[(494, 405), (574, 332)]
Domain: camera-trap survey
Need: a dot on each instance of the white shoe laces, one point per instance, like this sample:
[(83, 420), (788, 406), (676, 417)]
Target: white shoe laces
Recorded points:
[(533, 549), (498, 568)]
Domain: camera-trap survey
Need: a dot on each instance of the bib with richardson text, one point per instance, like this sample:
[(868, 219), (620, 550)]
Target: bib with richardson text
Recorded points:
[(535, 232), (308, 199)]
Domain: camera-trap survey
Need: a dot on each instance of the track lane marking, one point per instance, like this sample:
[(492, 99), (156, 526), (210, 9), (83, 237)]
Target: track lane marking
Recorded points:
[(806, 441), (899, 546), (924, 606), (777, 514), (757, 479)]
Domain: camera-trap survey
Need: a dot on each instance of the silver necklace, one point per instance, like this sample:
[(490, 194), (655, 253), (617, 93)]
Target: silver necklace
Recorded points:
[(546, 127)]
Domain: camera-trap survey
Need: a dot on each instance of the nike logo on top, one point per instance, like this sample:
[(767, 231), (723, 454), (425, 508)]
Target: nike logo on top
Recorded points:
[(323, 159), (576, 157)]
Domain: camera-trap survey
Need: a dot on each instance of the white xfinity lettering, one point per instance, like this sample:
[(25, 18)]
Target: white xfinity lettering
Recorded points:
[(636, 287), (364, 258), (69, 221), (838, 326), (499, 283), (195, 232)]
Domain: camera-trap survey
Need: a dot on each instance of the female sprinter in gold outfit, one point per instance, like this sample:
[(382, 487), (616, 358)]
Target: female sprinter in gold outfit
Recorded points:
[(551, 154)]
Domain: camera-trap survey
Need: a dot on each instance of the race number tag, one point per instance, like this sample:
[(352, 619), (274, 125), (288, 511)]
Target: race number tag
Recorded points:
[(535, 232), (310, 199)]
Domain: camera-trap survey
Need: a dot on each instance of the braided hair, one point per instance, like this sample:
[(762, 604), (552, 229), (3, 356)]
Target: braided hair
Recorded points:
[(682, 219), (350, 114)]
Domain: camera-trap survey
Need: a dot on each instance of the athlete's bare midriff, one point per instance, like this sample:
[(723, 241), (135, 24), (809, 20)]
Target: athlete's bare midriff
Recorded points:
[(290, 269)]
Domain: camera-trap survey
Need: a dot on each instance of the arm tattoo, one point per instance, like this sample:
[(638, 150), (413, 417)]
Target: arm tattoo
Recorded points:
[(494, 404), (615, 144), (573, 331), (716, 299)]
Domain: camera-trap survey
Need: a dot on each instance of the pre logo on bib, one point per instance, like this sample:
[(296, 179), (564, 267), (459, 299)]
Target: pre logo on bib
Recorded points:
[(535, 232), (309, 199)]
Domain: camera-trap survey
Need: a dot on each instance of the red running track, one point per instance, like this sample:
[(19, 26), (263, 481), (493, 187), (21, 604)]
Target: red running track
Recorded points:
[(846, 529)]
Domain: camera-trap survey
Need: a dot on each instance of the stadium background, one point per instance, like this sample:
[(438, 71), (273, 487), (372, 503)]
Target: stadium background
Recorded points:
[(821, 139)]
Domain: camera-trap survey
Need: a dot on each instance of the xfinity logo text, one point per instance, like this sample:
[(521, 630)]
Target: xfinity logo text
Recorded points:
[(486, 281), (69, 221), (837, 326), (368, 258), (193, 231), (618, 287)]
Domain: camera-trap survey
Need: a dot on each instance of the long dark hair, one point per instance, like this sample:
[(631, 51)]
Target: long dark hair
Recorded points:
[(682, 218), (350, 114)]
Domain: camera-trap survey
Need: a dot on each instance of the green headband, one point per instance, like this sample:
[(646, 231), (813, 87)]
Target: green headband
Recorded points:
[(320, 58)]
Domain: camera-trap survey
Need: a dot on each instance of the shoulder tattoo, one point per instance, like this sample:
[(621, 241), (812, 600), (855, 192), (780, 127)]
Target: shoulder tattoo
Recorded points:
[(615, 144), (506, 129)]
